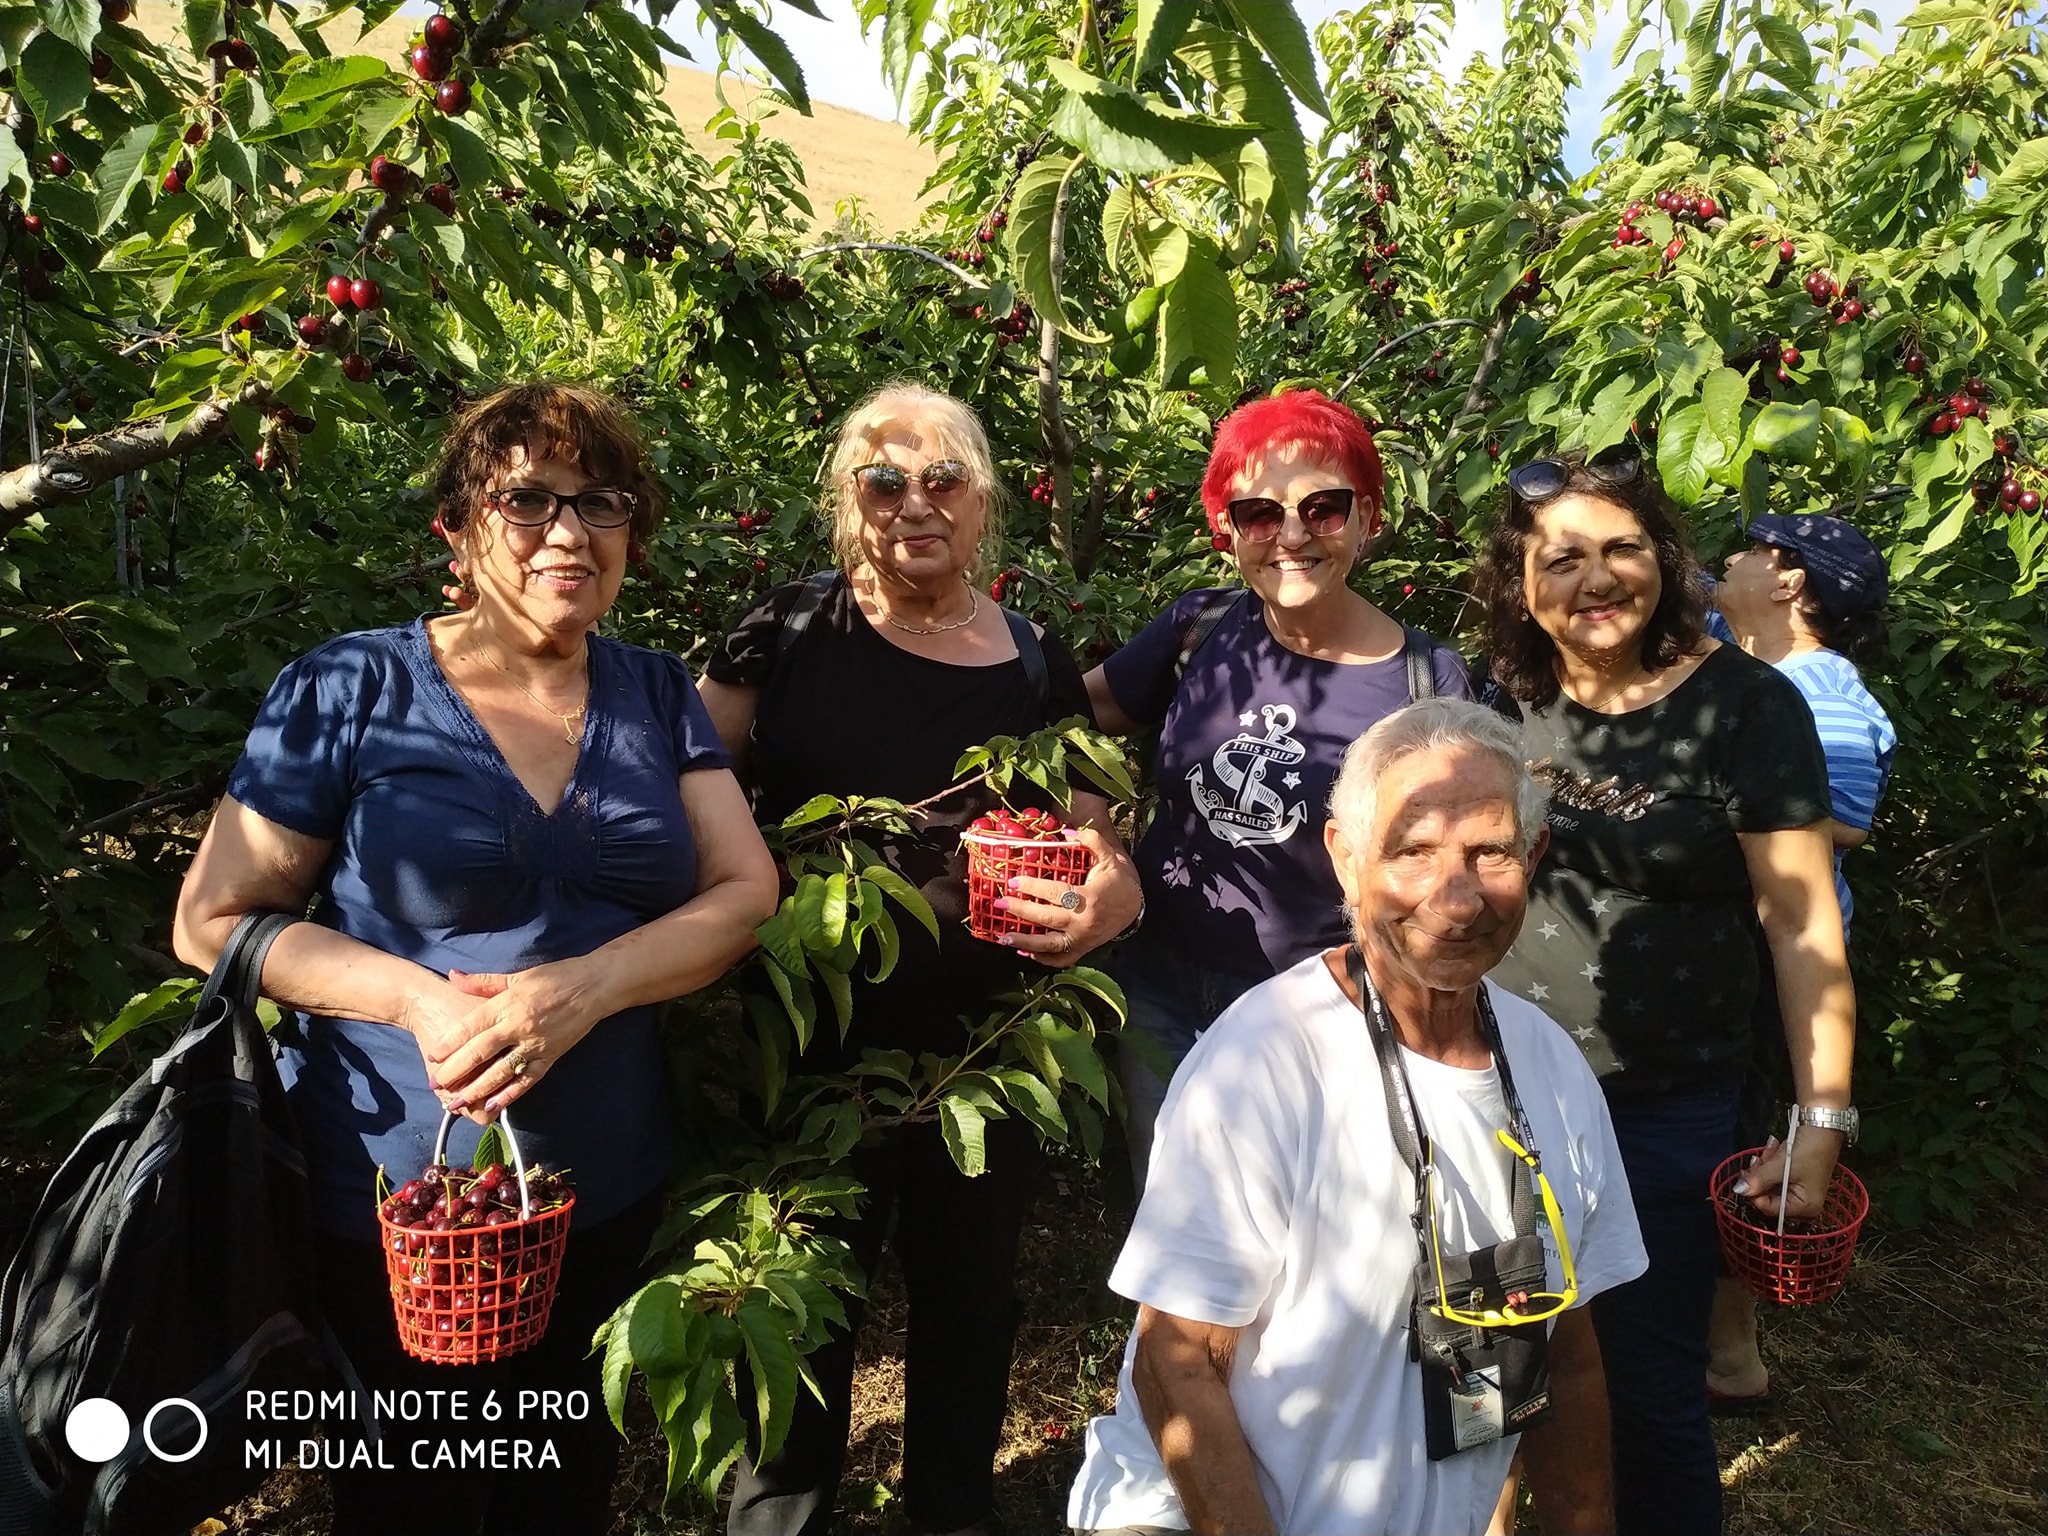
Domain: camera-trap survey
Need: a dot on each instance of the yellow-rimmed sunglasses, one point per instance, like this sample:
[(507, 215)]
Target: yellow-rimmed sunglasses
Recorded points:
[(1523, 1306)]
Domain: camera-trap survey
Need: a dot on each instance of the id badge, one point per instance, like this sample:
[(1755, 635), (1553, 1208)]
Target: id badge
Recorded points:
[(1478, 1416)]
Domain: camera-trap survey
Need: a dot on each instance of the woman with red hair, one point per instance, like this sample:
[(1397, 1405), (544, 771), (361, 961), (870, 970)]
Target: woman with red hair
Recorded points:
[(1256, 690)]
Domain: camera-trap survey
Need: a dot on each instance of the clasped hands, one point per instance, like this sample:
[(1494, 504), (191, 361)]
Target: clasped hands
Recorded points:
[(1102, 906), (487, 1039)]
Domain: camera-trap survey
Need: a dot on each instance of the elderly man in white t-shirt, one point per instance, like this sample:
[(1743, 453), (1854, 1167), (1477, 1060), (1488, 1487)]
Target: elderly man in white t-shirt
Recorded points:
[(1269, 1383)]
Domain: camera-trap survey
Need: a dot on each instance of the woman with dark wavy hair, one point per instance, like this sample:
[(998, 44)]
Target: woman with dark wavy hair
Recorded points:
[(1689, 804)]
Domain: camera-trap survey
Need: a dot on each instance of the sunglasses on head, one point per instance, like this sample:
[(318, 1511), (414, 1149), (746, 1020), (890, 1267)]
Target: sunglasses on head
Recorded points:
[(883, 486), (1541, 479), (1259, 519)]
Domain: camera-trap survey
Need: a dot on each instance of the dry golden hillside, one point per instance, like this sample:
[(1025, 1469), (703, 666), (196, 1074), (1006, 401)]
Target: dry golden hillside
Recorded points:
[(845, 154)]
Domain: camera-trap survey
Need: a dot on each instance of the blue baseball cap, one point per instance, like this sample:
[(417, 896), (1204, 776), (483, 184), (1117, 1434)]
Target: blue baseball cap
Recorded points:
[(1844, 571)]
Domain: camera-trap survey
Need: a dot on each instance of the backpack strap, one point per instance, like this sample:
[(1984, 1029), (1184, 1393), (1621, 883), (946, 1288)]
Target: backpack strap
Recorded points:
[(1031, 652), (1216, 603), (808, 601), (238, 973), (1418, 651)]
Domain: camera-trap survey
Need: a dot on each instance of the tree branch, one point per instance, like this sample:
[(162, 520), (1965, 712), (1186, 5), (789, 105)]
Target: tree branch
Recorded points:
[(74, 470), (933, 257), (1396, 344)]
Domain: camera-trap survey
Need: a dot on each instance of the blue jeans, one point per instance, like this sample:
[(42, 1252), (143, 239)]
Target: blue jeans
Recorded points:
[(1653, 1330), (1171, 999)]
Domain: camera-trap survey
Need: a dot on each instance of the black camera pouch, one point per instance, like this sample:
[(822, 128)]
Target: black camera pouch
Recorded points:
[(1479, 1384)]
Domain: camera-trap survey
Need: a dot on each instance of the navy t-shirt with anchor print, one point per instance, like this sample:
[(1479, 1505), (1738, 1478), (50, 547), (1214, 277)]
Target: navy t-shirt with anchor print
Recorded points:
[(1641, 933), (1235, 874)]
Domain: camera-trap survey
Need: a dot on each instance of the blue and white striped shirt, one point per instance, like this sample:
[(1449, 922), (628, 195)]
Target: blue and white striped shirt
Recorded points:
[(1855, 733)]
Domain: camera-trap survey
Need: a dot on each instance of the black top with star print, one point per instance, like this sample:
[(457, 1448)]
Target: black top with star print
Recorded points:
[(1640, 938)]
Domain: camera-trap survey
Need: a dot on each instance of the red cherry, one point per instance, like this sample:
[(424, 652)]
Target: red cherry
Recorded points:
[(430, 63), (312, 330), (1915, 362), (1784, 375), (1707, 208), (174, 178), (1787, 250), (1942, 425), (1677, 244), (440, 198), (338, 291), (452, 97), (1976, 387), (59, 164), (2030, 501), (366, 293), (388, 175), (356, 368), (442, 32), (760, 564), (1789, 355), (33, 223), (114, 12), (241, 55), (1852, 310)]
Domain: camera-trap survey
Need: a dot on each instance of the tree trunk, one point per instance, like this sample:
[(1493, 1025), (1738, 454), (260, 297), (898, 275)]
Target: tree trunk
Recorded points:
[(75, 470)]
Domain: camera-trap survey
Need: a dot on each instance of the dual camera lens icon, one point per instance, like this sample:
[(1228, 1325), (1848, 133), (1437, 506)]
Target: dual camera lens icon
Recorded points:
[(97, 1429)]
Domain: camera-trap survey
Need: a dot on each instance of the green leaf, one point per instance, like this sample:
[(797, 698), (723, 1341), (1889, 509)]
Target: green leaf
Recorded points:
[(838, 987), (146, 1008), (490, 1148), (54, 79), (1085, 978), (904, 894), (1159, 25), (902, 40), (774, 54), (657, 1329), (76, 21), (962, 1125), (123, 168), (1280, 32), (1076, 1054), (313, 79), (1247, 85), (1033, 1100), (1787, 431), (618, 1371), (1198, 321), (1784, 40), (1688, 453), (1029, 237), (1122, 131), (773, 1362), (205, 25), (1950, 528), (819, 909)]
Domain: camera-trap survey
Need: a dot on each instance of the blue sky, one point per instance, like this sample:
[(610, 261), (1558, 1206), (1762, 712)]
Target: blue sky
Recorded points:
[(841, 68)]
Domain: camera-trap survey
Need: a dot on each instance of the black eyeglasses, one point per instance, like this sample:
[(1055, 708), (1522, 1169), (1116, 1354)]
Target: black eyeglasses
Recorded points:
[(883, 486), (1259, 519), (528, 506), (1541, 479)]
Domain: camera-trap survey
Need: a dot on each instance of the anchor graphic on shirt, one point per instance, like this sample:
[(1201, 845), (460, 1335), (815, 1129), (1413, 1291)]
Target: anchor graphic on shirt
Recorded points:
[(1249, 810)]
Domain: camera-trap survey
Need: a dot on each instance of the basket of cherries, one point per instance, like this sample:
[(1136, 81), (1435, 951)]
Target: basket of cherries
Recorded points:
[(474, 1254), (1002, 845)]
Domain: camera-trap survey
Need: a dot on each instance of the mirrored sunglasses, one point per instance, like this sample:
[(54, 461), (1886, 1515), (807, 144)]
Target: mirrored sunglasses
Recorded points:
[(883, 486), (1259, 519), (1541, 479)]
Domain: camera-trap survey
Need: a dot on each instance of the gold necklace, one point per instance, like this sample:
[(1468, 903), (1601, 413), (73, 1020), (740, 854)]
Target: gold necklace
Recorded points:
[(973, 608), (1627, 683), (568, 721)]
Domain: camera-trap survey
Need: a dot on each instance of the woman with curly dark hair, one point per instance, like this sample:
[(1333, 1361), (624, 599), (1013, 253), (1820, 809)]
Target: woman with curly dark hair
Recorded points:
[(1689, 804)]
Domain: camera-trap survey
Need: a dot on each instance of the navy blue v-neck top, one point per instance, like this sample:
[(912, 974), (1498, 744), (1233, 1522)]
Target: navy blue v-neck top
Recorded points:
[(442, 857)]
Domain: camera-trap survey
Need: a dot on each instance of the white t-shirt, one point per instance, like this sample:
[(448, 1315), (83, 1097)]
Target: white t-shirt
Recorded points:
[(1277, 1204)]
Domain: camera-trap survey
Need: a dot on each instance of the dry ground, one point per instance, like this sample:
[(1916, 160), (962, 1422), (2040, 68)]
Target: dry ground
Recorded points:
[(1913, 1402)]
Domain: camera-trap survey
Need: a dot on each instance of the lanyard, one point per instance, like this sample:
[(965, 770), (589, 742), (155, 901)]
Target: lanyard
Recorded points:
[(1411, 1137)]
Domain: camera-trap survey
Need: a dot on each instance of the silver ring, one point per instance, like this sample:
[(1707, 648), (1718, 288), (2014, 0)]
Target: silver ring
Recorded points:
[(1066, 941), (1070, 898)]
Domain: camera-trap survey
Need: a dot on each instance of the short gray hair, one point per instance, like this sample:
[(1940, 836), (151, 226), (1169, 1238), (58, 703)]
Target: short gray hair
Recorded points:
[(959, 435), (1433, 725)]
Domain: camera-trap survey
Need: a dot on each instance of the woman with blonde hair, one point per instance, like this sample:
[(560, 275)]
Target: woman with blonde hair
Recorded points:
[(872, 680)]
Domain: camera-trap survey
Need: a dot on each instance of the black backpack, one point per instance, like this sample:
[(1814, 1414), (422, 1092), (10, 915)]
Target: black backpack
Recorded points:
[(171, 1257)]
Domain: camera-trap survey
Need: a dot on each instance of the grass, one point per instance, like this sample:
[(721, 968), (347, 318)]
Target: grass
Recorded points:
[(1912, 1402)]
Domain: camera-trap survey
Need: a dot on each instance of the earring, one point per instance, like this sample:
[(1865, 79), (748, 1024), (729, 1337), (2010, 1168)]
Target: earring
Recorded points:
[(636, 555)]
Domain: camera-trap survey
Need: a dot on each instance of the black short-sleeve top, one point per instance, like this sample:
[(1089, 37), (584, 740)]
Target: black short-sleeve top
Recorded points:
[(1640, 936), (844, 712)]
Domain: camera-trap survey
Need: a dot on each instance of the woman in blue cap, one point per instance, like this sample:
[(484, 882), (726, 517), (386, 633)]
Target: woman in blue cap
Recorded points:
[(1807, 596)]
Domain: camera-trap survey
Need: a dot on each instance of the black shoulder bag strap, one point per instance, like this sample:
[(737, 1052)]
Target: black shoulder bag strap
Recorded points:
[(238, 973), (1419, 652), (808, 601), (1032, 653), (1216, 603)]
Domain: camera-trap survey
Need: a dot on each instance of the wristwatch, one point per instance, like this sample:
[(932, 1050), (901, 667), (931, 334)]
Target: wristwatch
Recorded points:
[(1847, 1121)]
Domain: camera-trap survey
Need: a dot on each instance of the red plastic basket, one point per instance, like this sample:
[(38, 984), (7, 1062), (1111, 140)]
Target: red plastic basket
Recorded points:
[(1810, 1262), (993, 861), (481, 1293)]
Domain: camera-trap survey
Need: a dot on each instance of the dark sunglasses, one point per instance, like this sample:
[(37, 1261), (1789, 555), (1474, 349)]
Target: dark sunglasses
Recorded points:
[(528, 506), (1259, 519), (1541, 479), (883, 486)]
